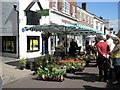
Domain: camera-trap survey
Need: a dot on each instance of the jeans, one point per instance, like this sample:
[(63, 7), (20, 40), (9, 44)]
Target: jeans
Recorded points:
[(116, 61), (117, 73), (116, 64)]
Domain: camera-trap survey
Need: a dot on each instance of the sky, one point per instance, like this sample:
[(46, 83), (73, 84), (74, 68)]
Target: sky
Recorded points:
[(108, 10)]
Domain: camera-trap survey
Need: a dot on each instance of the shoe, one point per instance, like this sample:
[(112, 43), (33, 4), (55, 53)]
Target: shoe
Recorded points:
[(115, 82)]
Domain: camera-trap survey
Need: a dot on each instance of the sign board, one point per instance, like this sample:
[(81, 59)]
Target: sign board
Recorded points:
[(23, 30), (44, 12)]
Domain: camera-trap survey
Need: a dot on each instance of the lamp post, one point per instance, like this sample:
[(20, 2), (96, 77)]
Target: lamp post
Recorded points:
[(15, 8)]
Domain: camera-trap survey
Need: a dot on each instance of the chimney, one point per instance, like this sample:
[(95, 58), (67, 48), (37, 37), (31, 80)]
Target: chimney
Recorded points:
[(101, 17), (84, 6)]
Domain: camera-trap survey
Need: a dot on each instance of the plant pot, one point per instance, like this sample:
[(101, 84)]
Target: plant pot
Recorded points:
[(22, 67)]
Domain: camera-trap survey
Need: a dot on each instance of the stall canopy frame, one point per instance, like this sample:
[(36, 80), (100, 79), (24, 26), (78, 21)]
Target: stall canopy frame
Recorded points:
[(71, 29)]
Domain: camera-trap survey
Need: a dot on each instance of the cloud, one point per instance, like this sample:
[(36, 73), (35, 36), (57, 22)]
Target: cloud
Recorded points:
[(114, 24)]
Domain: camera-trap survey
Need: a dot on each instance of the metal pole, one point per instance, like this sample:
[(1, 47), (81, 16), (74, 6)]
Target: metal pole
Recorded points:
[(15, 6), (65, 44)]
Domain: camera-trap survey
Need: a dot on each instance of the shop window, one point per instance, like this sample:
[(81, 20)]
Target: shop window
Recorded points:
[(9, 44), (33, 43)]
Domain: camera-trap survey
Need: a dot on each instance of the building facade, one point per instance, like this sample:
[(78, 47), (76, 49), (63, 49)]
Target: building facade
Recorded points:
[(9, 29), (20, 40), (84, 17), (98, 24)]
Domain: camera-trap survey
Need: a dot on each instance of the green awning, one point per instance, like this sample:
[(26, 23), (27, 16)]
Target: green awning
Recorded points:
[(71, 28), (90, 29)]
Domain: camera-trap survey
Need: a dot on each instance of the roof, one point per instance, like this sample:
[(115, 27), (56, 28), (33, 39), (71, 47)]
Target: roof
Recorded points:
[(32, 3), (91, 14)]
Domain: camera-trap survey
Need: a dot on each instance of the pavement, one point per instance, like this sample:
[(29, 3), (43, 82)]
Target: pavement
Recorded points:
[(9, 70), (15, 78), (88, 79)]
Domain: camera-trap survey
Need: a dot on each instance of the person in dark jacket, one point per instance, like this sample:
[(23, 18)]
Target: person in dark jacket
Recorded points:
[(73, 48)]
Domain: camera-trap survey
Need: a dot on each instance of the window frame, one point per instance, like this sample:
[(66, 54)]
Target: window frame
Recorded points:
[(84, 17), (54, 4), (32, 18), (65, 7), (11, 40), (73, 11), (101, 26), (97, 25), (31, 38)]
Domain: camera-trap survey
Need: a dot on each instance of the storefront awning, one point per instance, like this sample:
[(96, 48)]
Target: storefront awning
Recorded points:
[(90, 29), (69, 28)]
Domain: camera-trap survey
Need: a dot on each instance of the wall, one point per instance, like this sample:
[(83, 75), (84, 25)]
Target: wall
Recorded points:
[(22, 24), (81, 18), (99, 22), (58, 19), (59, 6), (9, 23)]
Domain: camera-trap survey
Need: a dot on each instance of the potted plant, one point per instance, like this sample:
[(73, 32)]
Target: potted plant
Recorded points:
[(22, 63)]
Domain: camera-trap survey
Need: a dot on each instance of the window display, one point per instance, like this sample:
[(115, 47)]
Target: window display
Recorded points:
[(33, 43), (9, 44)]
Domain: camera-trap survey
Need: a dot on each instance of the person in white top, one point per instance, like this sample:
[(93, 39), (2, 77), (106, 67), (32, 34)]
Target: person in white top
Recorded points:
[(109, 41)]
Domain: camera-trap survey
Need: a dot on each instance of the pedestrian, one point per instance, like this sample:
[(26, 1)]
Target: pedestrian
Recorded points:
[(109, 41), (102, 59), (116, 59), (87, 47), (95, 49), (73, 48)]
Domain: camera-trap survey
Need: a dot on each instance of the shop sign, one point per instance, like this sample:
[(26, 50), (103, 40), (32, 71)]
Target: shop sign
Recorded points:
[(23, 30), (44, 12)]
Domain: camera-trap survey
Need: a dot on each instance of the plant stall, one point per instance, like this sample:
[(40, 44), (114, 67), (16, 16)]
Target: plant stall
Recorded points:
[(88, 58), (60, 52), (73, 65), (51, 72)]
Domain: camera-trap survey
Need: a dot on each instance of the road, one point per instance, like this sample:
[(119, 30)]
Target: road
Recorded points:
[(86, 79)]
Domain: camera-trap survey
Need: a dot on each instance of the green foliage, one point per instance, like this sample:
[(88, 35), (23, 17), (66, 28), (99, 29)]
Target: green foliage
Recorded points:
[(41, 72), (58, 72), (47, 56), (39, 63), (22, 61), (68, 66), (90, 56)]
